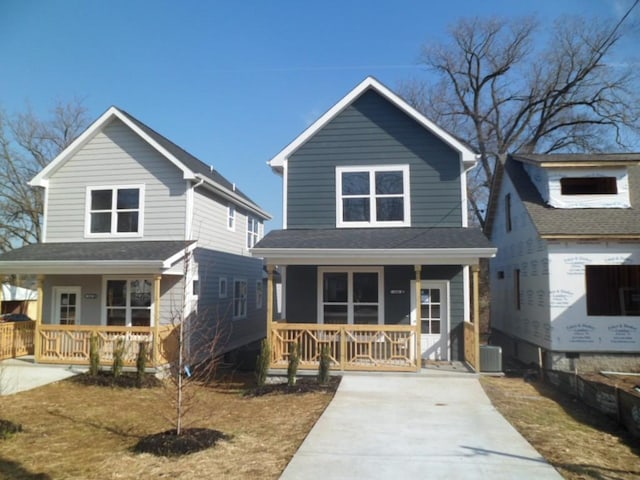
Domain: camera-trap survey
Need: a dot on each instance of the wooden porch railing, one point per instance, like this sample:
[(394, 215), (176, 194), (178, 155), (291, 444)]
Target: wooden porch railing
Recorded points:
[(69, 344), (351, 347), (16, 339), (469, 345)]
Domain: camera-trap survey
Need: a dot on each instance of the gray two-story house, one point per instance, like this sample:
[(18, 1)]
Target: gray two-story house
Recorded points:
[(375, 250), (138, 235)]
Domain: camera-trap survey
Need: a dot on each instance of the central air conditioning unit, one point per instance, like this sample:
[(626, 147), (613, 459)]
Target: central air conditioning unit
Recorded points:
[(490, 358)]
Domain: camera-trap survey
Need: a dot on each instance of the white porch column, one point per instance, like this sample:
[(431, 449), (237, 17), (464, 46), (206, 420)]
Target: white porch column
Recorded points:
[(418, 317), (476, 315)]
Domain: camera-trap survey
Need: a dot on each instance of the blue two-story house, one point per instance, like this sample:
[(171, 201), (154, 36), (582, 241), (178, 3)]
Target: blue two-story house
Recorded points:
[(375, 252)]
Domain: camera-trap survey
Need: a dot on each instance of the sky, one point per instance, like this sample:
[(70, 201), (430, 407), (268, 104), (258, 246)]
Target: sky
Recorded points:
[(232, 82)]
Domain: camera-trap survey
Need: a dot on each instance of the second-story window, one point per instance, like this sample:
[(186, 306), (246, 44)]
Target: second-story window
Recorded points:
[(231, 217), (373, 196), (253, 229), (114, 211)]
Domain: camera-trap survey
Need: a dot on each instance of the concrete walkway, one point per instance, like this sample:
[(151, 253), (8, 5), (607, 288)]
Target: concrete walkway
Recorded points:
[(415, 426), (20, 374)]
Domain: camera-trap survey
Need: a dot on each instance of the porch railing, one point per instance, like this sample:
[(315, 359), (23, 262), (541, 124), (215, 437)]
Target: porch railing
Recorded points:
[(469, 345), (16, 339), (69, 344), (351, 347)]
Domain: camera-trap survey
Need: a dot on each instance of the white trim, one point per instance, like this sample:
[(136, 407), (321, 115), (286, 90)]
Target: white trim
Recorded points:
[(168, 263), (463, 197), (231, 215), (252, 235), (372, 170), (189, 208), (419, 256), (45, 214), (444, 286), (114, 218), (350, 302), (283, 291), (466, 294), (230, 195), (467, 156), (285, 186), (55, 307)]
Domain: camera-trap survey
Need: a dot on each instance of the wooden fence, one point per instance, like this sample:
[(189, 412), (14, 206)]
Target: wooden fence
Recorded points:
[(351, 347), (69, 344), (16, 339)]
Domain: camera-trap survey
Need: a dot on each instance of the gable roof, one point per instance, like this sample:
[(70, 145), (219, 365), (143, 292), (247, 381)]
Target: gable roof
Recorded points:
[(553, 222), (191, 167), (571, 160), (468, 156)]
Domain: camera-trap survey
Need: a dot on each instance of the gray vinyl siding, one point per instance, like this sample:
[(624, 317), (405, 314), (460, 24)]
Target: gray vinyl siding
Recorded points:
[(302, 294), (210, 215), (117, 156), (218, 312), (372, 131), (90, 308)]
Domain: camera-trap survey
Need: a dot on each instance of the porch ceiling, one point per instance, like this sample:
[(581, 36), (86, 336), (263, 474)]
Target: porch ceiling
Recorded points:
[(96, 257), (375, 246)]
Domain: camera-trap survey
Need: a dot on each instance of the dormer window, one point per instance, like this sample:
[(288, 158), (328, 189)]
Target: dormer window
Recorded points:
[(588, 186), (375, 196), (114, 211)]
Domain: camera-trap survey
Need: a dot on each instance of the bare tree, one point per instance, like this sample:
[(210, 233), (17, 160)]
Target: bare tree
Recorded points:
[(28, 144), (500, 93)]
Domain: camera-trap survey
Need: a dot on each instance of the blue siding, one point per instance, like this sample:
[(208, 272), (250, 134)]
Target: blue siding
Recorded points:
[(372, 131)]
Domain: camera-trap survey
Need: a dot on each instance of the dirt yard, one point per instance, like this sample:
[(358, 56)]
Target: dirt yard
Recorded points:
[(578, 441)]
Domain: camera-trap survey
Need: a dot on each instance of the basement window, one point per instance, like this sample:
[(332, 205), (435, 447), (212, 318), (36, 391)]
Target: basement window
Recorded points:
[(588, 186), (613, 290)]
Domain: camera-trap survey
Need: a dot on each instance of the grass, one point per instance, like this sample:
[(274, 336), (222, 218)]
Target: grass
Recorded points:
[(73, 431), (578, 441)]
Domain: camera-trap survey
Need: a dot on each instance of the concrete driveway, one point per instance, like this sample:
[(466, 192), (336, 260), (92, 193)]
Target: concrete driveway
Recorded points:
[(414, 426), (20, 374)]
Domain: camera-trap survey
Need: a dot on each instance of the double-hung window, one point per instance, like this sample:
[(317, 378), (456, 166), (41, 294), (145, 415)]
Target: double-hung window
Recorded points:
[(253, 231), (373, 196), (231, 217), (114, 211), (350, 296), (128, 302), (239, 298)]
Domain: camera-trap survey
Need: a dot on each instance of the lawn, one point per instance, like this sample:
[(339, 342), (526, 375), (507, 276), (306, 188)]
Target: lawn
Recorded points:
[(578, 441), (72, 431)]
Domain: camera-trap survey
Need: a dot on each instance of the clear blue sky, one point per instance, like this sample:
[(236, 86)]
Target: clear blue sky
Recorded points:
[(232, 82)]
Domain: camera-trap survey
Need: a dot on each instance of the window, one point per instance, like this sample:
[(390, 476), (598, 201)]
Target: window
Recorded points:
[(430, 310), (196, 288), (231, 217), (239, 298), (613, 290), (114, 211), (259, 294), (516, 287), (222, 287), (128, 302), (372, 196), (350, 297), (588, 186), (253, 227), (507, 211)]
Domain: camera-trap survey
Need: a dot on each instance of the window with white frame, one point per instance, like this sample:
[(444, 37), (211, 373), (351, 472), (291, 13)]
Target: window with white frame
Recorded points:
[(373, 196), (259, 294), (222, 287), (114, 211), (253, 231), (231, 217), (128, 302), (350, 296), (239, 298)]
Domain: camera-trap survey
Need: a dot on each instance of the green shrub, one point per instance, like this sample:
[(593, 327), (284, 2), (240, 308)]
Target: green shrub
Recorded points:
[(263, 362), (118, 356), (294, 361), (324, 365), (94, 355), (141, 363)]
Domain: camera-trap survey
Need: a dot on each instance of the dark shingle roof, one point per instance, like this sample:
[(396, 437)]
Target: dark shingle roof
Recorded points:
[(96, 251), (577, 221), (375, 238), (579, 158), (193, 163)]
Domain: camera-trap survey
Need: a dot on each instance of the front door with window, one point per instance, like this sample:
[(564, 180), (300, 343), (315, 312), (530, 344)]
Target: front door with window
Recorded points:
[(66, 308), (434, 321)]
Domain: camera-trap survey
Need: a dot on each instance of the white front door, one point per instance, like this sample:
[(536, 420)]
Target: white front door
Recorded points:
[(434, 324), (66, 305)]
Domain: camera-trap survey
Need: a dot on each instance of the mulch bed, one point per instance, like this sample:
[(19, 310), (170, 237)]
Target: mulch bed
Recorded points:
[(169, 444), (303, 385), (105, 378)]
